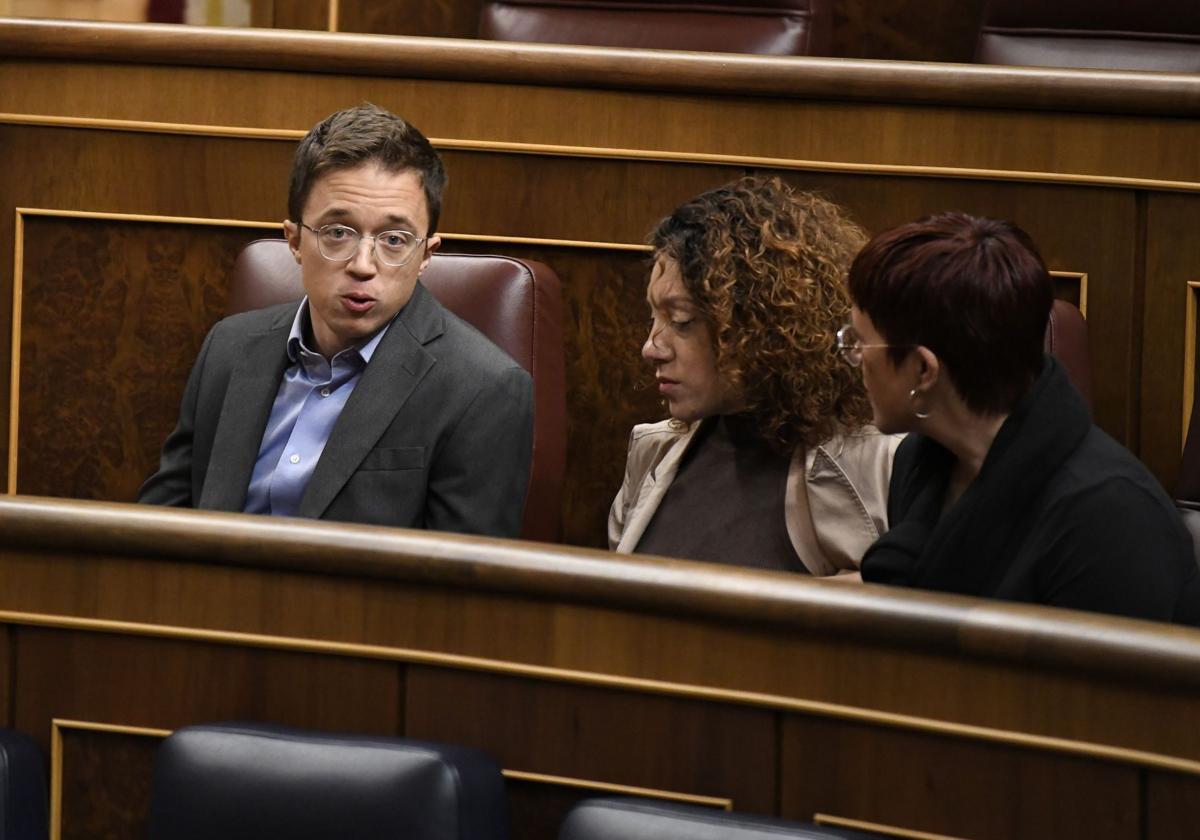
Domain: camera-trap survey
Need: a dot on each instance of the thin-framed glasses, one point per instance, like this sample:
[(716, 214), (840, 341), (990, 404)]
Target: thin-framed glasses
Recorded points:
[(338, 243), (851, 346)]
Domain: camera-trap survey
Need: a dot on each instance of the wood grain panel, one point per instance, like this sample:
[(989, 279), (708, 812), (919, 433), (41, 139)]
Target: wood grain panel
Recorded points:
[(114, 315), (569, 198), (669, 744), (106, 782), (1172, 806), (1172, 261), (167, 684), (942, 786)]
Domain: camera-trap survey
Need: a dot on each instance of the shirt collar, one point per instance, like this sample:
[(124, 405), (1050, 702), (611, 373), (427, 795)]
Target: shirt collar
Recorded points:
[(295, 343)]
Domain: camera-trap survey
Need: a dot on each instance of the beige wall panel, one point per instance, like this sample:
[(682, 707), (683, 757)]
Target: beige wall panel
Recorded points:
[(950, 787), (1172, 261), (1129, 146)]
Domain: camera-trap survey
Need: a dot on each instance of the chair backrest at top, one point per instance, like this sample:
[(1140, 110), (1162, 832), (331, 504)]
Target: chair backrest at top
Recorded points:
[(764, 27), (256, 781), (1100, 34), (515, 303)]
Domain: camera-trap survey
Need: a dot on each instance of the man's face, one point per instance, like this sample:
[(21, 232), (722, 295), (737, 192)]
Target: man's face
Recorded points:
[(350, 300)]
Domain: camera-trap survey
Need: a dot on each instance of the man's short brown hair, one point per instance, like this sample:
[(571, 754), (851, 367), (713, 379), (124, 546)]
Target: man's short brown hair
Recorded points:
[(366, 134)]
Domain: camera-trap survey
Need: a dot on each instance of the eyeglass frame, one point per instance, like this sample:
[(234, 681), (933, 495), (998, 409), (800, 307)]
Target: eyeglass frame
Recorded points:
[(417, 240), (856, 348)]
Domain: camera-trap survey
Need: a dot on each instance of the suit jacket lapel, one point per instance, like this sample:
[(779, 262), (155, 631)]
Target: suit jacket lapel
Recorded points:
[(399, 363), (248, 400)]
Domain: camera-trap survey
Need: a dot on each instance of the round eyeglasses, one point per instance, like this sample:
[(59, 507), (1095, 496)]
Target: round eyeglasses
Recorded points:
[(851, 346), (339, 243)]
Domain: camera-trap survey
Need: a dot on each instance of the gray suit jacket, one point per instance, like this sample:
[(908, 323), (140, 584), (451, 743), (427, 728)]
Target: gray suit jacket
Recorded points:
[(437, 433)]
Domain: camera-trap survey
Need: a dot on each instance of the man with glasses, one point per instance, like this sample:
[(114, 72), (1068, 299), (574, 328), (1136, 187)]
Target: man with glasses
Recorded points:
[(369, 402)]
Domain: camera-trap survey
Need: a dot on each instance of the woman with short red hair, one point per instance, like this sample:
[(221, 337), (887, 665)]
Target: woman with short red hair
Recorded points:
[(1004, 487)]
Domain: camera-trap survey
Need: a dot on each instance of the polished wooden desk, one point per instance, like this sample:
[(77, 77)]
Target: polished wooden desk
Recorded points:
[(138, 159), (584, 672)]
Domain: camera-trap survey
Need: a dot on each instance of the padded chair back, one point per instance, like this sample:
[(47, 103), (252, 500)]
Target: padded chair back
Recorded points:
[(764, 27), (24, 814), (1067, 340), (1105, 34), (646, 819), (515, 303), (257, 781)]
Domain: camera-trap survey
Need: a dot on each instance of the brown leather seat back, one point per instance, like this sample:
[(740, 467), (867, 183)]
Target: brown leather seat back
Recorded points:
[(1107, 34), (515, 303), (764, 27), (1067, 341)]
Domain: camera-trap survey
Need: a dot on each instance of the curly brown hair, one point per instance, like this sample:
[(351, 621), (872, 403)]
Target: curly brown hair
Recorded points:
[(766, 264)]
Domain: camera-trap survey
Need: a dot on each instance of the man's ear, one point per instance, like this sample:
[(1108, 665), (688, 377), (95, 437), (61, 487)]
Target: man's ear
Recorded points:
[(431, 245), (291, 232)]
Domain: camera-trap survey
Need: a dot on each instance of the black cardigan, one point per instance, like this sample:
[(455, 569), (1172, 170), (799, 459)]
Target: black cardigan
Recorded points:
[(1059, 514)]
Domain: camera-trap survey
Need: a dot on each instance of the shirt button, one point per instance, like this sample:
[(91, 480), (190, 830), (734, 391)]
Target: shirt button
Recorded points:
[(325, 391), (295, 459)]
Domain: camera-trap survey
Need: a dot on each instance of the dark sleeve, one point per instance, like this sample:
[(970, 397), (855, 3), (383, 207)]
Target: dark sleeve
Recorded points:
[(478, 480), (1115, 548), (172, 483)]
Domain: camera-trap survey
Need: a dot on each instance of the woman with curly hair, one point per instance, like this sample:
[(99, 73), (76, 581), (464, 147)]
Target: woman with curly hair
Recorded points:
[(766, 460)]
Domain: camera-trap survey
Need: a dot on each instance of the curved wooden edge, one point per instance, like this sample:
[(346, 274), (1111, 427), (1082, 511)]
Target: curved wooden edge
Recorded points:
[(894, 82), (1123, 649)]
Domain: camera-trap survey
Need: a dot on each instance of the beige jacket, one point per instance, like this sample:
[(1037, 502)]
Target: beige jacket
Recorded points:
[(835, 503)]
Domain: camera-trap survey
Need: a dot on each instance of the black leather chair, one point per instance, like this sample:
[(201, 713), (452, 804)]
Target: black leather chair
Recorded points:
[(23, 809), (645, 819), (1101, 34), (256, 781), (515, 303), (764, 27)]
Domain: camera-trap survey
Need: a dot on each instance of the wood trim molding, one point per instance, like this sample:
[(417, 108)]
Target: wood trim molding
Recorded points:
[(1189, 357), (1125, 650), (724, 803), (1081, 281), (838, 711), (648, 155), (892, 82)]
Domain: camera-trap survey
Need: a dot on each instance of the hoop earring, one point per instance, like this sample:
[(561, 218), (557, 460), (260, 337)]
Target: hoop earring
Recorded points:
[(920, 415)]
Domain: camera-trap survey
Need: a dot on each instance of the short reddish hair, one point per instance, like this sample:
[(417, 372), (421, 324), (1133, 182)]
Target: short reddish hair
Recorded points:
[(975, 291)]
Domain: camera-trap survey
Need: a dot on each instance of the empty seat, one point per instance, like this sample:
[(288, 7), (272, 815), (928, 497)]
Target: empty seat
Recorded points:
[(645, 819), (23, 810), (515, 303), (765, 27), (256, 781), (1103, 34)]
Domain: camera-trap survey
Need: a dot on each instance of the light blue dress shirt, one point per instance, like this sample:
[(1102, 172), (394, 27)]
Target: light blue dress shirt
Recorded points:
[(310, 398)]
